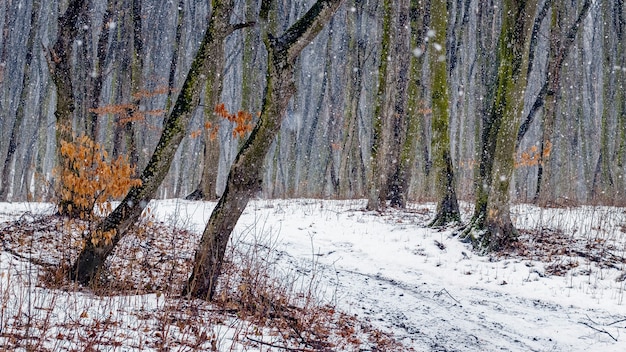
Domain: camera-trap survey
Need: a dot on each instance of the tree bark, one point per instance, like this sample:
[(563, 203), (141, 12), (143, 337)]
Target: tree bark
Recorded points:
[(559, 48), (400, 120), (59, 62), (244, 178), (377, 193), (14, 141), (445, 185), (95, 252), (207, 189), (491, 228)]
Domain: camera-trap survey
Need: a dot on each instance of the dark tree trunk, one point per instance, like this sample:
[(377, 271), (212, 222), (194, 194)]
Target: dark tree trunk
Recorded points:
[(59, 62), (244, 178), (400, 121)]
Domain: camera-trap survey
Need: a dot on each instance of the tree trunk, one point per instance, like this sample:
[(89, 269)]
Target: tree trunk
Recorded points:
[(492, 228), (445, 185), (207, 189), (377, 193), (244, 178), (14, 142), (560, 45), (351, 175), (59, 62), (603, 186), (400, 121), (96, 250), (415, 99)]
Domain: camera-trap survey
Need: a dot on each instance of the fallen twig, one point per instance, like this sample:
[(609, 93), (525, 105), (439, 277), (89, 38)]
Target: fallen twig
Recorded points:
[(437, 294), (617, 322), (599, 330), (269, 344)]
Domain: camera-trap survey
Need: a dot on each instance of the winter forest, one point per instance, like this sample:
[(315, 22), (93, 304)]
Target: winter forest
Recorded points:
[(128, 61), (178, 137)]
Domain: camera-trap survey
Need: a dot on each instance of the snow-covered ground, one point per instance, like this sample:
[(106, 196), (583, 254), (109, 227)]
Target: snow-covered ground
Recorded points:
[(423, 285)]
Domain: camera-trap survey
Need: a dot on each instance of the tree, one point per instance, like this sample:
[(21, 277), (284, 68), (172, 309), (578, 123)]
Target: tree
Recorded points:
[(244, 178), (19, 116), (390, 117), (398, 131), (207, 189), (60, 65), (605, 178), (560, 43), (115, 225), (377, 195), (491, 227), (351, 167), (447, 206), (415, 111)]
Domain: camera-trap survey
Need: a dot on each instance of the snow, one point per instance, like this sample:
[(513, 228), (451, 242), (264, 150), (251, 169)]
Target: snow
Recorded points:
[(424, 285)]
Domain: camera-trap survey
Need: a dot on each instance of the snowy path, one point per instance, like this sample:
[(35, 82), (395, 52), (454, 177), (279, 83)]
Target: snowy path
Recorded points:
[(390, 270)]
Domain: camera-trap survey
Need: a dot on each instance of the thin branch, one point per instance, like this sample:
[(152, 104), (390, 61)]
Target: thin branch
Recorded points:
[(570, 36), (437, 294), (279, 346), (616, 322), (242, 25), (599, 330)]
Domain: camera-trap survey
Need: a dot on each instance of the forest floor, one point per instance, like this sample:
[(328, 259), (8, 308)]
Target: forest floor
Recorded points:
[(319, 275)]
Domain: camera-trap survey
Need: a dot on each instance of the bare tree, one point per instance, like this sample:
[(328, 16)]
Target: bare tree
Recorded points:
[(445, 184), (390, 117), (491, 227), (95, 252), (244, 178), (14, 141)]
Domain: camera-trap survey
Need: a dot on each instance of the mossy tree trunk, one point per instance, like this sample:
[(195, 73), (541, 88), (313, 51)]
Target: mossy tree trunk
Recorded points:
[(96, 250), (492, 228), (390, 117), (620, 147), (445, 185), (60, 66), (244, 178)]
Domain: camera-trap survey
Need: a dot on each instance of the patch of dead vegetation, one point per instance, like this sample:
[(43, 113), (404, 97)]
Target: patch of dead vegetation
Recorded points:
[(268, 305), (563, 252)]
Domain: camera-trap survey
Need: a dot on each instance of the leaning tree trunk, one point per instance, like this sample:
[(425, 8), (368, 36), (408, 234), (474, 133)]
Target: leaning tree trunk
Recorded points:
[(445, 185), (244, 178), (115, 225), (492, 229)]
